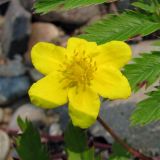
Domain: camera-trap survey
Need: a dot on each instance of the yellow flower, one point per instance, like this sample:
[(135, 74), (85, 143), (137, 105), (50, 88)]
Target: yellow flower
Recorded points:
[(79, 74)]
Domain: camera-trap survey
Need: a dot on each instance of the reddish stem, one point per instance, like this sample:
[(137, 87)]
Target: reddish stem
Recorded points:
[(131, 150)]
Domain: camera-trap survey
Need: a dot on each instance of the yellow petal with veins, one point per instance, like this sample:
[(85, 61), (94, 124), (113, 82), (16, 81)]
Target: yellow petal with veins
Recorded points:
[(116, 53), (81, 46), (47, 57), (110, 83), (48, 92), (84, 107)]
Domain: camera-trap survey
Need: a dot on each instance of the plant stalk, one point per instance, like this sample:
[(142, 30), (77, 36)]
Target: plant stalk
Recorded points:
[(131, 150)]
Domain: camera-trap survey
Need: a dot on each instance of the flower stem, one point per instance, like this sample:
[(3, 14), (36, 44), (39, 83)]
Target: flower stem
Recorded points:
[(131, 150)]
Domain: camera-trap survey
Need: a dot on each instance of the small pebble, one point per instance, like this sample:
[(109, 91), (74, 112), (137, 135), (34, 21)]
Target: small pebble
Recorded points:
[(1, 114), (4, 145), (55, 130), (7, 115), (30, 112)]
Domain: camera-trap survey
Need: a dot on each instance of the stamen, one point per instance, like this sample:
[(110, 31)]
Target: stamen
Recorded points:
[(79, 71)]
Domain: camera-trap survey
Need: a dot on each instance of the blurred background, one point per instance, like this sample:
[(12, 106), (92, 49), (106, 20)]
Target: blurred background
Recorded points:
[(20, 29)]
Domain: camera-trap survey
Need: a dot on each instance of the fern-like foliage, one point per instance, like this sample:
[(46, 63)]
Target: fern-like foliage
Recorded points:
[(148, 110), (144, 6), (121, 27), (79, 3), (143, 70), (44, 6)]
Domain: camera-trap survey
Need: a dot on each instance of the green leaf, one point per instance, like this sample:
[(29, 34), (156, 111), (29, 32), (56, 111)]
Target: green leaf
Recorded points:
[(144, 70), (98, 157), (75, 138), (22, 124), (144, 6), (29, 145), (73, 155), (148, 110), (79, 3), (121, 27), (85, 155), (89, 154), (44, 6), (76, 144), (119, 153), (118, 158)]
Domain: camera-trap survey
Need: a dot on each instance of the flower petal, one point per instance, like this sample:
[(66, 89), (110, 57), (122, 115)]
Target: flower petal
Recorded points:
[(83, 107), (110, 83), (116, 53), (48, 92), (46, 57), (81, 46)]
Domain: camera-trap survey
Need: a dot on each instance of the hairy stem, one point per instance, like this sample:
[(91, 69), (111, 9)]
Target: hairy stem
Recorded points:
[(131, 150)]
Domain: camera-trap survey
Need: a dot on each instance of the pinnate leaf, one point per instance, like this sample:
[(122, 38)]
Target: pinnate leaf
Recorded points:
[(143, 70), (44, 6), (120, 27), (29, 145), (76, 144), (148, 110)]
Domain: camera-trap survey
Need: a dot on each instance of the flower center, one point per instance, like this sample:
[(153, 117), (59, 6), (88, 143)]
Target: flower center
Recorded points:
[(78, 71)]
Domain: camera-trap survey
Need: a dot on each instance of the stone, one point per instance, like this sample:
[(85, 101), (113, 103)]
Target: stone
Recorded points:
[(117, 116), (4, 1), (76, 16), (12, 88), (64, 116), (0, 54), (14, 154), (1, 115), (2, 19), (4, 6), (35, 75), (41, 32), (46, 32), (10, 158), (12, 68), (55, 130), (61, 41), (7, 114), (124, 4), (4, 145), (52, 117), (28, 5), (145, 47), (30, 112), (16, 30)]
